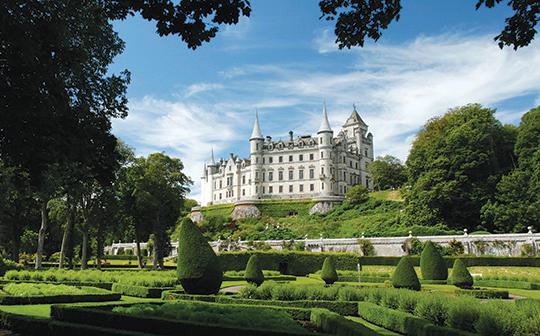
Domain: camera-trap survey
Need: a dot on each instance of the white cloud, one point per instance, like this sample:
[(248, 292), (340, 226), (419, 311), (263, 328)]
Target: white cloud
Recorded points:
[(201, 87)]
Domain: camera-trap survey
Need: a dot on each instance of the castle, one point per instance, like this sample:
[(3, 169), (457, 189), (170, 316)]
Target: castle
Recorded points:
[(305, 167)]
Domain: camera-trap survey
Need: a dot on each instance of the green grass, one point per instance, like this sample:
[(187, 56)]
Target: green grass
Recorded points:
[(389, 195), (40, 310), (34, 289)]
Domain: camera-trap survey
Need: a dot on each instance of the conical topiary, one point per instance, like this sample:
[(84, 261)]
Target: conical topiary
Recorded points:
[(404, 275), (460, 276), (432, 264), (198, 268), (328, 273), (253, 272)]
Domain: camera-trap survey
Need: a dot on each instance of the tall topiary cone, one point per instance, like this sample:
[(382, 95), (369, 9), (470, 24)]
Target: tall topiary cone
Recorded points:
[(199, 270), (404, 276), (432, 264), (253, 272), (328, 273), (460, 276)]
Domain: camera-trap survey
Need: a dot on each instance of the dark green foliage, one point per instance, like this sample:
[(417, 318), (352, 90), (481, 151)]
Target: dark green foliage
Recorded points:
[(432, 264), (357, 194), (199, 269), (454, 165), (328, 273), (288, 262), (483, 293), (24, 293), (254, 273), (404, 275), (507, 284), (334, 324), (139, 291), (460, 276), (366, 247), (387, 172)]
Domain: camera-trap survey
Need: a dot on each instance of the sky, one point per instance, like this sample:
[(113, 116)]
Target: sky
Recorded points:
[(283, 62)]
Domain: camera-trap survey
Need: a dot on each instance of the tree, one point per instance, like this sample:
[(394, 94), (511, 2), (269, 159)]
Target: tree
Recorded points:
[(57, 95), (253, 273), (460, 276), (357, 194), (358, 19), (387, 172), (328, 272), (405, 276), (199, 270), (516, 204), (432, 264), (454, 165)]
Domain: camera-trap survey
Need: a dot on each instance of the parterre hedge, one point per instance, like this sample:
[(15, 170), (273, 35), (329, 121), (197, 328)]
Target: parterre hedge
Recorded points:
[(139, 291), (288, 262), (506, 284), (468, 260), (336, 324), (483, 293)]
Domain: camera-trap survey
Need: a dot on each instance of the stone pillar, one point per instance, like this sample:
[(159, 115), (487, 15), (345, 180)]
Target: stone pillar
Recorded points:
[(245, 209), (196, 214)]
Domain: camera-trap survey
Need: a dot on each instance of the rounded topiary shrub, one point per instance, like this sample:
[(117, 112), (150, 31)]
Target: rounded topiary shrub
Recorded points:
[(328, 273), (199, 270), (404, 275), (254, 274), (460, 276), (432, 264)]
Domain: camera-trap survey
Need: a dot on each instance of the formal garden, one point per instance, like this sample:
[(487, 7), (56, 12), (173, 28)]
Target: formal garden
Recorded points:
[(278, 293)]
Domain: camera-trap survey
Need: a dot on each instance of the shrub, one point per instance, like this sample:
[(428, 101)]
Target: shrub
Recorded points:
[(198, 269), (483, 293), (366, 247), (357, 194), (460, 276), (432, 309), (462, 314), (253, 274), (329, 274), (432, 264), (404, 275)]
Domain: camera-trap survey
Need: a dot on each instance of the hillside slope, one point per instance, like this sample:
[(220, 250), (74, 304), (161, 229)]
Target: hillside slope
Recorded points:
[(379, 216)]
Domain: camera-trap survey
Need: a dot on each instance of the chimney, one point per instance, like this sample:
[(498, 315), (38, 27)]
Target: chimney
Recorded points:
[(291, 135)]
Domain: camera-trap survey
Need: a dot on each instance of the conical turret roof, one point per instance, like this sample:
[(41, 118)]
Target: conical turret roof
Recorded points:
[(325, 125), (256, 133)]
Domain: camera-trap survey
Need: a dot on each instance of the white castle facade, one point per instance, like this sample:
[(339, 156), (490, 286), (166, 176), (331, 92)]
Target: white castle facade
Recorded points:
[(305, 167)]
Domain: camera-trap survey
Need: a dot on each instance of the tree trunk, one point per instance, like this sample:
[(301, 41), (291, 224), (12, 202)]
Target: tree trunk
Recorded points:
[(99, 246), (84, 257), (138, 250), (66, 237), (41, 234), (155, 258)]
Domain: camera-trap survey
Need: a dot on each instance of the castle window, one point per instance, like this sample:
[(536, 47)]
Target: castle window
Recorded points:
[(270, 176), (320, 141), (356, 165), (230, 168), (243, 192), (290, 158), (322, 170), (366, 165), (301, 188), (256, 175), (322, 155), (311, 156), (256, 160), (291, 173), (263, 161), (280, 189), (280, 159), (243, 179), (301, 157), (270, 189), (301, 174), (280, 175), (291, 188), (232, 193), (312, 173), (256, 146), (220, 184), (219, 195), (365, 151), (322, 186), (214, 197), (270, 159), (350, 164), (343, 159), (263, 190), (311, 187)]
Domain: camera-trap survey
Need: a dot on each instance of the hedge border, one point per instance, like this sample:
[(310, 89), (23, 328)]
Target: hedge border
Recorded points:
[(108, 319), (103, 285), (69, 298), (483, 293), (507, 284), (269, 277), (335, 324), (139, 291), (25, 325), (402, 322)]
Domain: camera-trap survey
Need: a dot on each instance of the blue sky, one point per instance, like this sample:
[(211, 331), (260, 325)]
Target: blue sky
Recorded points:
[(283, 62)]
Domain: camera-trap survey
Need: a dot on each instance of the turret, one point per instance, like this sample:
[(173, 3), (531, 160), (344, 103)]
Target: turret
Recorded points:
[(256, 149), (325, 142)]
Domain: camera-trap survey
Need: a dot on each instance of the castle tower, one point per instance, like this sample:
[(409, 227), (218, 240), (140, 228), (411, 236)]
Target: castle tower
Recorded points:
[(207, 180), (325, 144), (256, 147)]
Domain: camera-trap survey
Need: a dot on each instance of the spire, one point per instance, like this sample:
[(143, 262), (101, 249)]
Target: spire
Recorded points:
[(325, 125), (354, 118), (211, 161), (256, 134)]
